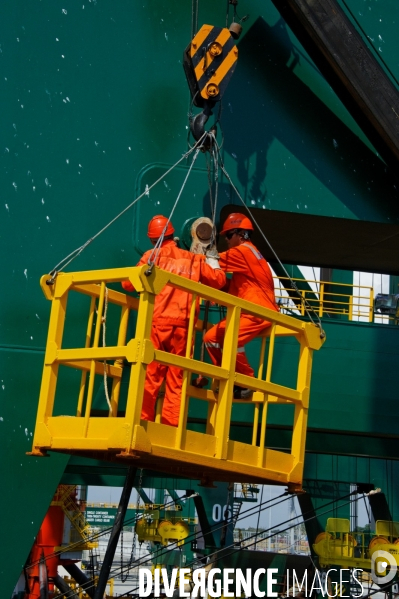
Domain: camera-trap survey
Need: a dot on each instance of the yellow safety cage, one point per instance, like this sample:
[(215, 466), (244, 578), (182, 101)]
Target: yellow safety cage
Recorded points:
[(119, 435)]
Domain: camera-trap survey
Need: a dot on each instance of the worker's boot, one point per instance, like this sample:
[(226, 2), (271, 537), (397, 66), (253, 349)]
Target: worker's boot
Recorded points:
[(200, 382), (241, 393)]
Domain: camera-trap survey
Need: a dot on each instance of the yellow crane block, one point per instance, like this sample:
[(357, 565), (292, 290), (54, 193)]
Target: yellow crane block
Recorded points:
[(147, 529), (173, 532), (118, 434)]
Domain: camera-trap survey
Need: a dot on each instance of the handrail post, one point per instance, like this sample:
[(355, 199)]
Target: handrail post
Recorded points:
[(321, 299), (186, 374), (257, 406), (350, 307), (51, 366), (301, 409), (138, 370), (225, 398), (116, 384), (89, 399), (371, 307), (262, 439)]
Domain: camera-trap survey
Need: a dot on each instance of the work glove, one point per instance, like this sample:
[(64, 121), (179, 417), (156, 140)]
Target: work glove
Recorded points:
[(212, 257)]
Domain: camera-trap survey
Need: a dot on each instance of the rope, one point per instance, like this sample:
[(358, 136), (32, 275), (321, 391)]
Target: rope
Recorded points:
[(70, 257), (104, 323), (157, 247), (235, 549), (306, 304)]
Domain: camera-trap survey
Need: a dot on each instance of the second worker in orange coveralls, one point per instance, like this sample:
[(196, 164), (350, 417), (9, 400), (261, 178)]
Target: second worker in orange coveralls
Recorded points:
[(171, 316), (252, 280)]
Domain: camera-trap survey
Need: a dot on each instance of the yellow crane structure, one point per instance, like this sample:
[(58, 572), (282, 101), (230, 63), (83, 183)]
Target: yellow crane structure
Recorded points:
[(211, 455)]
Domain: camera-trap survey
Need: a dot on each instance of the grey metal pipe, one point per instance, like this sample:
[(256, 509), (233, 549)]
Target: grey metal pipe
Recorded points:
[(86, 583)]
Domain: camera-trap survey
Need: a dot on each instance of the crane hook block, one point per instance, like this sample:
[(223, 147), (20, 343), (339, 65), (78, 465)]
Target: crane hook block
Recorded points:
[(209, 62)]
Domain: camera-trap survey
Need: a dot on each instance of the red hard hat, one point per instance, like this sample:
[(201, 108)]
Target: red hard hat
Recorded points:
[(156, 226), (236, 221)]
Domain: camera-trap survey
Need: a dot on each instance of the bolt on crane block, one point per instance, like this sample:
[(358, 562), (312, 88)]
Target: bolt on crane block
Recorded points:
[(70, 421)]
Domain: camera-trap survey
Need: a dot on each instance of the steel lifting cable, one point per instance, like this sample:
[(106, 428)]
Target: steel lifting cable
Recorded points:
[(70, 257), (306, 304), (242, 515), (213, 199), (216, 175), (142, 561), (157, 247), (254, 536), (104, 532), (236, 550), (149, 556), (90, 583)]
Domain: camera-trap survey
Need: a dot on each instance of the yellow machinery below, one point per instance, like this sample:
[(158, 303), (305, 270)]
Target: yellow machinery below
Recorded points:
[(119, 434), (339, 546), (164, 529), (163, 532)]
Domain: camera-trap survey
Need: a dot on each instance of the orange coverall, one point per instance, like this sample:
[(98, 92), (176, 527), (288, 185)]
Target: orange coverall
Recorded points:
[(252, 280), (170, 324)]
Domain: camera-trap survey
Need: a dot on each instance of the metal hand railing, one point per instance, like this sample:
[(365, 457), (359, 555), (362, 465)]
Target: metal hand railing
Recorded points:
[(353, 302), (119, 432)]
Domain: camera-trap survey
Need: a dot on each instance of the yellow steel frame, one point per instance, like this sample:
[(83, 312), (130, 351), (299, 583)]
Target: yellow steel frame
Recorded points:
[(63, 498), (352, 301), (208, 456)]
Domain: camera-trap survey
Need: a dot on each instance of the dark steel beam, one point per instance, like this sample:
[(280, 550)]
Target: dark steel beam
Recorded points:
[(340, 53), (313, 240), (80, 577), (115, 534)]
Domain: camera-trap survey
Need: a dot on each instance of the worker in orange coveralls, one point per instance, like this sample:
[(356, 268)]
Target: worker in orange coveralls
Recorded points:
[(171, 315), (252, 280)]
